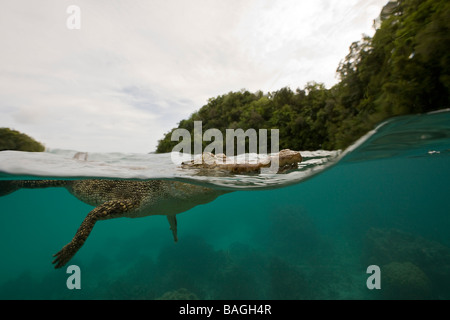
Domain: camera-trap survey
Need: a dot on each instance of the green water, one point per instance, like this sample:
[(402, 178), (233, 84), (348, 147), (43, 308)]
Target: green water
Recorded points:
[(311, 240)]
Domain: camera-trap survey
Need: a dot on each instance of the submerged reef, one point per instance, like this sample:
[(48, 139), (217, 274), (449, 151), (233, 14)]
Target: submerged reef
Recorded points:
[(180, 294), (293, 234), (287, 281), (237, 272), (385, 246), (406, 281), (411, 268)]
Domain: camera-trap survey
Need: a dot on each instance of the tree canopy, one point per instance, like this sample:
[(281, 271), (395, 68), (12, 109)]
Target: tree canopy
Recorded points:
[(15, 140), (404, 68)]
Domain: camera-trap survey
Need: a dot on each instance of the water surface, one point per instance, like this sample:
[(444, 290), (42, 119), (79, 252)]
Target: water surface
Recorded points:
[(308, 234)]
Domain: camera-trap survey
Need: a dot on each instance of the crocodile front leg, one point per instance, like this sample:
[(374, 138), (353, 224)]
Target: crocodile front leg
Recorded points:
[(108, 210)]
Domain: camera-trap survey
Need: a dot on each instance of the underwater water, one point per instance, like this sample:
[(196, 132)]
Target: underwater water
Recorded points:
[(308, 234)]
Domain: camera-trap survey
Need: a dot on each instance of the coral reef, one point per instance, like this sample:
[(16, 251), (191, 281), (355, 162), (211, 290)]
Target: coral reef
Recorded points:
[(291, 227), (122, 288), (404, 280), (180, 294), (287, 281), (383, 246), (241, 273), (411, 268), (236, 282), (190, 264)]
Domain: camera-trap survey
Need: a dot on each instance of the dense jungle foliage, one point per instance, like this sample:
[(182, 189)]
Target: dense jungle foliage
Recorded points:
[(403, 69), (14, 140)]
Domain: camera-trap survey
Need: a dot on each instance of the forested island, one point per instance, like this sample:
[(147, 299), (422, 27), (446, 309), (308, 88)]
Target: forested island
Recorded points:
[(403, 69), (15, 140)]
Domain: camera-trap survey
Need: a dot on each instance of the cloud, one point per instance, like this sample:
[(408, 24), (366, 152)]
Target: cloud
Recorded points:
[(136, 68)]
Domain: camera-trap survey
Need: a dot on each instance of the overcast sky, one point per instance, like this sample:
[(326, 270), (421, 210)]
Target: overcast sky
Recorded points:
[(136, 68)]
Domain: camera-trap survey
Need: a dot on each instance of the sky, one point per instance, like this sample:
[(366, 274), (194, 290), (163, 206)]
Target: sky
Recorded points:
[(134, 69)]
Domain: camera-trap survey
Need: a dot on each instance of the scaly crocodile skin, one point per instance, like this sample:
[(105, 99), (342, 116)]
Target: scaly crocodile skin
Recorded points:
[(121, 198)]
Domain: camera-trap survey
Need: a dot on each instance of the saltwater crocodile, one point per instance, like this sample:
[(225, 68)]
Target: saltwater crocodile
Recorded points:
[(134, 198)]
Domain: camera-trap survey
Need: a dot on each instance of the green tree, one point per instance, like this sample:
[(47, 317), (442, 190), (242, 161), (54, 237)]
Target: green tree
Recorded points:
[(404, 68), (15, 140)]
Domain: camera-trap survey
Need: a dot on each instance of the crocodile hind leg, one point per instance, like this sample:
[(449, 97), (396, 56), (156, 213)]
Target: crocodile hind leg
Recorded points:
[(108, 210)]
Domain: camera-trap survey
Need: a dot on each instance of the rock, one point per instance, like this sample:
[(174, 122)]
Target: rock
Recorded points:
[(383, 246), (180, 294), (405, 281)]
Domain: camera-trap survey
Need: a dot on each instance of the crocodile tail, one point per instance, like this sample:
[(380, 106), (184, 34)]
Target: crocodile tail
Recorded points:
[(9, 186)]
